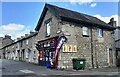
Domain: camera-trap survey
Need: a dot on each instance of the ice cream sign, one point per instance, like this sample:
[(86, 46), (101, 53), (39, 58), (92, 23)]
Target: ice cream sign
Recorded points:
[(61, 40)]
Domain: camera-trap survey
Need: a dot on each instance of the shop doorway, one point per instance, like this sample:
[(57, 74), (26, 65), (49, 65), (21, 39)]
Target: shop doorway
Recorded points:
[(46, 56)]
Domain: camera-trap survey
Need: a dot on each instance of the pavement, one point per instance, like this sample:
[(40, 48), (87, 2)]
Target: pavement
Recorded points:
[(10, 68)]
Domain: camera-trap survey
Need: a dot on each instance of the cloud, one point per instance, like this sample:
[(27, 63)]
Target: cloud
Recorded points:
[(81, 1), (14, 30), (12, 27), (89, 2), (107, 19), (93, 4)]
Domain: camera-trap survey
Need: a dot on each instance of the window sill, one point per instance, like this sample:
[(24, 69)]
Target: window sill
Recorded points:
[(47, 36), (85, 35), (100, 37)]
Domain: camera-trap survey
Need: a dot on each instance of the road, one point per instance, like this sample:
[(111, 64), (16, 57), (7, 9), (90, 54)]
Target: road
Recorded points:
[(10, 68)]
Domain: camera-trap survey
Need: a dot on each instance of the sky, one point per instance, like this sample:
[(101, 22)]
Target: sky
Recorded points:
[(19, 18)]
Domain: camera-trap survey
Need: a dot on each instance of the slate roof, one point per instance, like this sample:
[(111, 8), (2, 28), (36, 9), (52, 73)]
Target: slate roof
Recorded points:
[(29, 36), (72, 16)]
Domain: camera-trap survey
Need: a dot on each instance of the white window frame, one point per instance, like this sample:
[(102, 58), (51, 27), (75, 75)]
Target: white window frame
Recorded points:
[(100, 32), (48, 27), (85, 31), (27, 42)]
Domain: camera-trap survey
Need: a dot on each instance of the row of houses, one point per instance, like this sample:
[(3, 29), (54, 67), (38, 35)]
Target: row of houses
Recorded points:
[(62, 35), (22, 49)]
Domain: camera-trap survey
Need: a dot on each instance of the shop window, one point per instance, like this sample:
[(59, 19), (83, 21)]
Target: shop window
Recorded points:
[(100, 32), (85, 31)]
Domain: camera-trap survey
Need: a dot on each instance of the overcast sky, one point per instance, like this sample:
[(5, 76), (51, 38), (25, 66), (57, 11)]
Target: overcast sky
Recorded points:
[(19, 18)]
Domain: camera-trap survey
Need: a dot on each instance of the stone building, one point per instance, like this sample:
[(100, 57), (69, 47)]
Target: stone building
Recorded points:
[(6, 40), (87, 37), (117, 40), (1, 39), (23, 49), (3, 42), (117, 45)]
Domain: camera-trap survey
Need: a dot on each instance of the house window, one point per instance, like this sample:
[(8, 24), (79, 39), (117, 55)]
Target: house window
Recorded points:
[(27, 42), (85, 31), (21, 43), (48, 26), (48, 29), (100, 32)]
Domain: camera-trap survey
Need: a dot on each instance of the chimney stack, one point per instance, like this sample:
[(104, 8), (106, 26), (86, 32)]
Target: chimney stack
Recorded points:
[(31, 32), (18, 39), (112, 22), (7, 36), (26, 35), (22, 37)]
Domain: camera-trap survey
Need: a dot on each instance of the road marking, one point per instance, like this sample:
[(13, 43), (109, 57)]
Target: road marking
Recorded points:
[(26, 71)]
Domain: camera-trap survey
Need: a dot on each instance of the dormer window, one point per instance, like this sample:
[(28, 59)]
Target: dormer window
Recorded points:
[(85, 31)]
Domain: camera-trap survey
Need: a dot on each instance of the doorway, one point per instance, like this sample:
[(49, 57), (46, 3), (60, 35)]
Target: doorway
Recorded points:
[(110, 56), (22, 54), (46, 56), (118, 57)]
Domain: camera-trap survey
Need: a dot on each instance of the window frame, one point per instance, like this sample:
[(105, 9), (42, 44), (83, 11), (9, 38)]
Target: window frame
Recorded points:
[(85, 31), (27, 42), (48, 27), (100, 32)]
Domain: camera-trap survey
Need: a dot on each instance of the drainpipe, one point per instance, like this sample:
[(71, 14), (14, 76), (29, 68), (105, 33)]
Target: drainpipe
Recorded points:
[(96, 54), (92, 48)]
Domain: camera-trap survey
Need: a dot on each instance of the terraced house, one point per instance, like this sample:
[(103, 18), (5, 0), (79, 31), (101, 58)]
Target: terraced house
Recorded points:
[(86, 37), (23, 49)]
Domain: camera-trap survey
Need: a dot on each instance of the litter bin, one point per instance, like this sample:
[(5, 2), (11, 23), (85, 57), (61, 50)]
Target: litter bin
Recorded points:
[(78, 63)]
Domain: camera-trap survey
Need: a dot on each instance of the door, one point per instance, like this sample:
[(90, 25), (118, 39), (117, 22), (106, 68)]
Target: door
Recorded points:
[(110, 57), (118, 58), (18, 54), (22, 54)]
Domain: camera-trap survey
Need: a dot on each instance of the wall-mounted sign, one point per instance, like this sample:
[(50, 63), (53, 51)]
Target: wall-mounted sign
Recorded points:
[(65, 49), (74, 48), (69, 48)]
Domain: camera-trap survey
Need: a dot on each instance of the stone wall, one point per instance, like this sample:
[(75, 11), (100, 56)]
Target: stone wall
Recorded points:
[(101, 46), (85, 46), (54, 27)]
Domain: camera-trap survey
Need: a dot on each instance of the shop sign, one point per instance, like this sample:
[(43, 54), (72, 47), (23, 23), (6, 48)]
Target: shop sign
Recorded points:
[(65, 49), (52, 44), (69, 48), (74, 48), (61, 40)]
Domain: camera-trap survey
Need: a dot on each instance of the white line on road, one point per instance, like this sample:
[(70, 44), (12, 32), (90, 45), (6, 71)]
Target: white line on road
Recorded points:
[(26, 71)]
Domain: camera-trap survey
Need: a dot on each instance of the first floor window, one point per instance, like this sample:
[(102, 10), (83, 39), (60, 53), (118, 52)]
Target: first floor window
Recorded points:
[(100, 32), (48, 26), (27, 42), (85, 31), (48, 29)]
